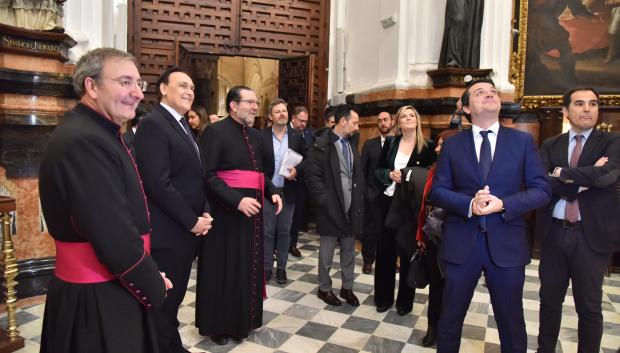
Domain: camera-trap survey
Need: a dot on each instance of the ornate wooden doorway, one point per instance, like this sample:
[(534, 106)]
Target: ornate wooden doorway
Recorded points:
[(275, 29)]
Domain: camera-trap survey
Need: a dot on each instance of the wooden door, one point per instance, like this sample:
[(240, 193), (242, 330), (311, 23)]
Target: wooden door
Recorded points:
[(295, 81)]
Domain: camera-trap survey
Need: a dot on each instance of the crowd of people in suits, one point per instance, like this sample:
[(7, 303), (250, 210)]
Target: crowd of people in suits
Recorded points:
[(130, 215)]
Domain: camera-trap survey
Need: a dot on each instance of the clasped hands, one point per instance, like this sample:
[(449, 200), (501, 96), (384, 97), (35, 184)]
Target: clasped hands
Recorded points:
[(250, 206), (203, 224), (485, 203)]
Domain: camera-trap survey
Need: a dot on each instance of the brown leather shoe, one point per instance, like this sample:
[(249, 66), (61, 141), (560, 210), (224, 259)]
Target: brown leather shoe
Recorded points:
[(294, 251), (367, 269), (329, 298), (348, 295)]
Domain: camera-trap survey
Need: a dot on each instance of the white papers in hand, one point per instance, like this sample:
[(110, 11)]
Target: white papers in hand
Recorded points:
[(291, 159)]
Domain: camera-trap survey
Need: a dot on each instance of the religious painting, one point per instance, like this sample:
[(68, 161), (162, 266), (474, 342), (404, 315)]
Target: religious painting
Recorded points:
[(563, 44)]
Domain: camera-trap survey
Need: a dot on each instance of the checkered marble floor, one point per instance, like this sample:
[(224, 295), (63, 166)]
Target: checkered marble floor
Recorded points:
[(295, 320)]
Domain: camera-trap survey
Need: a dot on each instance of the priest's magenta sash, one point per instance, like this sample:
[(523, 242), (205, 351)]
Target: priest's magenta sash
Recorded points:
[(246, 179), (78, 263)]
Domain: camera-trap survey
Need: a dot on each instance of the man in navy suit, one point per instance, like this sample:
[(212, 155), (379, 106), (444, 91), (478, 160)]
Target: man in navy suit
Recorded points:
[(299, 121), (487, 179), (579, 228), (171, 167), (277, 140)]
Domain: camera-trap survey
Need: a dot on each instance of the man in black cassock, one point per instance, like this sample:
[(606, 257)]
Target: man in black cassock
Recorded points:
[(231, 286), (105, 281)]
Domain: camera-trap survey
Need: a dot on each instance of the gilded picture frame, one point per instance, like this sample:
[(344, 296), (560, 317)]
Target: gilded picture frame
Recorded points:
[(521, 75)]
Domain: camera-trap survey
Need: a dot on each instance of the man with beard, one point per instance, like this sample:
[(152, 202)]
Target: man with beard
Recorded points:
[(336, 184), (277, 140), (171, 167), (105, 280), (371, 152), (230, 291)]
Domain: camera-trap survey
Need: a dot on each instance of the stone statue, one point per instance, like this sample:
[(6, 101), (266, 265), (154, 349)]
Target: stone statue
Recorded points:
[(461, 36), (40, 15)]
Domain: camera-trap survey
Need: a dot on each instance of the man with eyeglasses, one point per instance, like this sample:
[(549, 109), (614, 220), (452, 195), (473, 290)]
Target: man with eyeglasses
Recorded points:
[(105, 281), (231, 284), (171, 166)]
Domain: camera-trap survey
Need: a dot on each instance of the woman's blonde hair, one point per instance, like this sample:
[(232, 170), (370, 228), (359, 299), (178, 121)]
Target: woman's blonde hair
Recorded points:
[(420, 142)]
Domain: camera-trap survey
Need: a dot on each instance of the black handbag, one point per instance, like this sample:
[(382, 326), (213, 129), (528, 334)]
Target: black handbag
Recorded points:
[(417, 276)]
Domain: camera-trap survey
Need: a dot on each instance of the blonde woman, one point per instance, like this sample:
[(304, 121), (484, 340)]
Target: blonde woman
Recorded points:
[(407, 148)]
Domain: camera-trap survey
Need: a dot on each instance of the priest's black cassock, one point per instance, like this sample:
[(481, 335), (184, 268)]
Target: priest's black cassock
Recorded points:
[(229, 295), (105, 281)]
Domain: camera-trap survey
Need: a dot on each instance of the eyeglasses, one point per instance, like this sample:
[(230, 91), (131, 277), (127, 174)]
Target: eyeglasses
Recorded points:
[(250, 102), (129, 83)]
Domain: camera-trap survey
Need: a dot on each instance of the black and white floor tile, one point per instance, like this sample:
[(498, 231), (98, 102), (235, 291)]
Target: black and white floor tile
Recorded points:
[(295, 320)]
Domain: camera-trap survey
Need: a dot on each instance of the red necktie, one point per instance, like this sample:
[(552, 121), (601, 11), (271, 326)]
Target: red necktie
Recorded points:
[(572, 208)]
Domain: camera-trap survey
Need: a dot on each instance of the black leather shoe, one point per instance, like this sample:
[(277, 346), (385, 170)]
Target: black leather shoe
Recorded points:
[(367, 269), (383, 308), (220, 339), (329, 298), (281, 276), (430, 337), (294, 251), (402, 311), (348, 295)]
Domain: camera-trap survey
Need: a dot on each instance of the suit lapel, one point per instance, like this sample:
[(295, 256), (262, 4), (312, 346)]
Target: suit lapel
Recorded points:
[(470, 153), (335, 168), (562, 151), (184, 136), (590, 148)]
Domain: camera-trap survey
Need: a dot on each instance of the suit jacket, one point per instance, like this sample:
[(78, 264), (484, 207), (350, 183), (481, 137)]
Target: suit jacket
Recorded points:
[(598, 205), (325, 187), (172, 174), (371, 153), (424, 159), (296, 143), (516, 176)]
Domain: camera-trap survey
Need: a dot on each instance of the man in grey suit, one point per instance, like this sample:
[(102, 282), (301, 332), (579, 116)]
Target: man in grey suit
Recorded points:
[(335, 181)]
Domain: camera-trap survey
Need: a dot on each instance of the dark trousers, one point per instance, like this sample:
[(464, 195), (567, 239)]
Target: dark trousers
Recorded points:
[(177, 264), (276, 231), (505, 286), (436, 284), (299, 216), (385, 267), (565, 255), (372, 231)]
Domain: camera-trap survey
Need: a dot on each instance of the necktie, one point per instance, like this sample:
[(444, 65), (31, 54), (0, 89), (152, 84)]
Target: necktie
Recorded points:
[(188, 132), (345, 153), (485, 165), (485, 155), (571, 213)]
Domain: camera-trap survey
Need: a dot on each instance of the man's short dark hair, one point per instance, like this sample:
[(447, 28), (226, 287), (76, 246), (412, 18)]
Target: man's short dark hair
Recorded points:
[(566, 98), (300, 109), (165, 78), (342, 111), (466, 93), (234, 95), (275, 102)]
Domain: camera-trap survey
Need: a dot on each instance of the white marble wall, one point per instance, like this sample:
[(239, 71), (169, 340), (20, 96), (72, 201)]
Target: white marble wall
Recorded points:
[(375, 58), (96, 23)]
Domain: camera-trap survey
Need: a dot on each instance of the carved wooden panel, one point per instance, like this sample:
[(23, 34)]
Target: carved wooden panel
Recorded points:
[(260, 28), (295, 81)]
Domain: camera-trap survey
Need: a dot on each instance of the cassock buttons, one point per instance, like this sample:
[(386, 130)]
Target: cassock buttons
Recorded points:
[(131, 284), (137, 291), (144, 298)]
